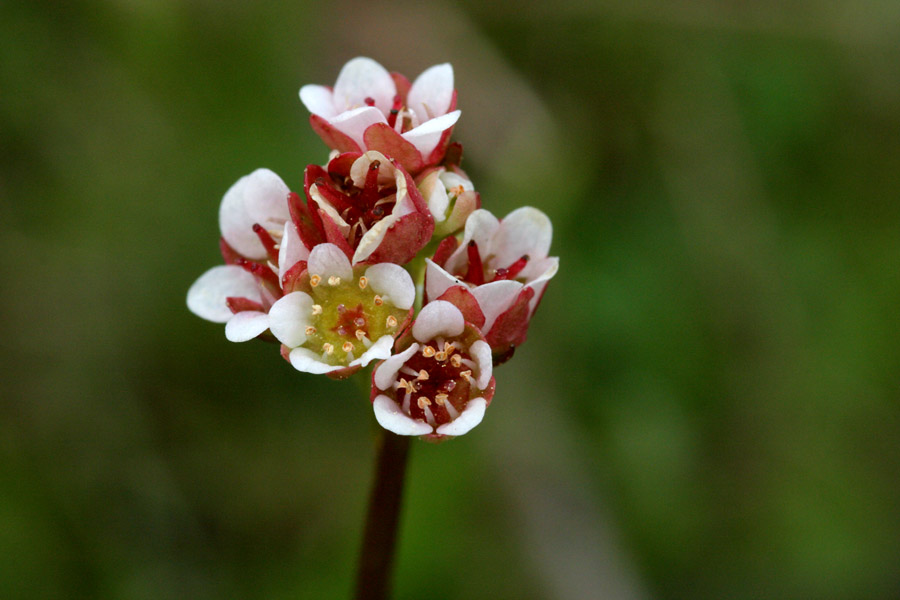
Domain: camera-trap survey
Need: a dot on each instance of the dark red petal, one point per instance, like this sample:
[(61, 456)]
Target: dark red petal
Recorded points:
[(331, 136), (334, 235), (437, 155), (267, 242), (444, 250), (340, 164), (511, 327), (387, 141), (402, 84), (307, 220), (240, 304), (404, 239), (463, 299), (292, 276)]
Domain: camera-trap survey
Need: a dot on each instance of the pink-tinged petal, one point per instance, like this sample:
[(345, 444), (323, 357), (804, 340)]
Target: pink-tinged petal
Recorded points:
[(550, 265), (380, 350), (480, 228), (437, 280), (360, 79), (432, 92), (467, 419), (460, 297), (383, 138), (402, 84), (332, 137), (494, 298), (308, 362), (305, 216), (389, 416), (426, 136), (354, 123), (524, 231), (438, 318), (246, 325), (331, 213), (319, 100), (207, 297), (327, 260), (334, 234), (395, 241), (511, 327), (291, 251), (289, 317), (359, 169), (445, 250), (481, 352), (260, 197), (385, 374), (393, 283), (434, 192)]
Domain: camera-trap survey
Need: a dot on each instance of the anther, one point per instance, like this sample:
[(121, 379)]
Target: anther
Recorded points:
[(327, 348), (467, 375), (347, 347), (316, 308), (427, 351), (440, 356), (423, 375), (360, 334), (370, 101), (314, 280), (310, 330), (391, 321), (456, 360), (363, 282), (423, 402), (378, 300), (440, 399), (334, 280)]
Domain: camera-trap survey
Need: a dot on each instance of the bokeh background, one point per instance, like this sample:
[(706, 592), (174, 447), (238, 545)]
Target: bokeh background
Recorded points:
[(708, 403)]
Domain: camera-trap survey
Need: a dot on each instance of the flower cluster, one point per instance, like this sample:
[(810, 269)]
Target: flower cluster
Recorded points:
[(385, 256)]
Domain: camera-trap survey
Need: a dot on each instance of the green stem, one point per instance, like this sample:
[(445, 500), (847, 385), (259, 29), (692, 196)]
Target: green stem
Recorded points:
[(380, 537)]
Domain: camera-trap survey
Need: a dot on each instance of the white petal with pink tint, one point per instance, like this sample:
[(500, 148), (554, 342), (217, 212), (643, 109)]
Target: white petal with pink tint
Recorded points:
[(207, 296), (494, 298), (260, 197), (246, 325), (467, 420), (387, 172), (327, 260), (363, 78), (438, 318), (319, 100), (393, 283), (292, 249), (480, 227), (389, 416), (525, 230), (481, 352), (426, 136), (354, 123), (386, 373), (380, 350), (289, 317), (431, 92), (306, 361), (437, 280)]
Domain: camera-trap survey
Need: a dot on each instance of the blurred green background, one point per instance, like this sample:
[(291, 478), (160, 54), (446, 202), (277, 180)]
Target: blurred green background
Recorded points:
[(708, 403)]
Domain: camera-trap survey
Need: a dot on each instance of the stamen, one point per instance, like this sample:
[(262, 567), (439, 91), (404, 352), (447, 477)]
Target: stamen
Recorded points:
[(439, 399), (469, 363), (456, 360), (377, 300), (360, 334), (395, 109), (391, 321), (423, 402), (267, 242), (316, 308), (406, 398), (512, 270), (369, 195), (423, 375), (429, 416), (334, 280), (467, 375), (369, 101), (363, 282), (427, 351), (408, 371), (449, 347), (341, 308), (475, 272), (359, 322), (314, 280), (440, 356), (347, 347), (451, 410), (310, 330), (327, 348)]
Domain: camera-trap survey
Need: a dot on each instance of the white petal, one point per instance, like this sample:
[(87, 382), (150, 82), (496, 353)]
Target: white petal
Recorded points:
[(208, 294), (260, 197), (380, 350), (480, 227), (438, 318), (494, 298), (387, 172), (319, 100), (393, 283), (289, 317), (437, 280), (363, 78), (371, 239), (326, 260), (481, 352), (386, 373), (467, 420), (452, 180), (331, 211), (525, 230), (292, 249), (389, 416), (308, 362), (354, 123), (434, 192), (246, 325), (426, 136), (431, 92)]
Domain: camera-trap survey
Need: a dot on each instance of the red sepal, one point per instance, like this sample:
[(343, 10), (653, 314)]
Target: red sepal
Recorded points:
[(331, 136), (334, 235), (402, 84), (463, 299), (229, 254), (306, 219), (444, 250), (383, 138), (511, 327), (240, 304), (292, 276)]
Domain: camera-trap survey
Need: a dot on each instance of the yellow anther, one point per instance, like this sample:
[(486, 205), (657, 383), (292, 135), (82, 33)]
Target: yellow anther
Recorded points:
[(316, 308), (440, 399), (405, 385), (449, 347), (440, 356), (423, 402), (327, 348), (467, 375), (391, 321), (427, 351), (347, 347), (363, 282), (377, 300), (314, 280), (423, 375), (334, 280), (310, 330), (456, 360), (360, 334)]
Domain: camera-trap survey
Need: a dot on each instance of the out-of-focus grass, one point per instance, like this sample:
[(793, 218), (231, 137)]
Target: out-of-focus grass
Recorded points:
[(707, 405)]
